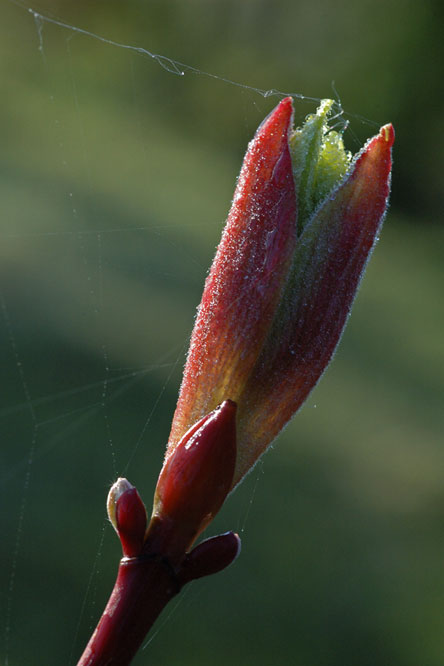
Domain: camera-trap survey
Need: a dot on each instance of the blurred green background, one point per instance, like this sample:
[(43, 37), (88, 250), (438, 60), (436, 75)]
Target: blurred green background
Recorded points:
[(115, 179)]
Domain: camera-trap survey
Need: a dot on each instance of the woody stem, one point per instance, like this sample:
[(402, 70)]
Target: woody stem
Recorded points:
[(143, 587)]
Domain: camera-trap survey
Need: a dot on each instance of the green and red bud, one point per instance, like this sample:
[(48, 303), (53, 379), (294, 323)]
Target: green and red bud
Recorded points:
[(304, 219), (303, 222), (273, 309)]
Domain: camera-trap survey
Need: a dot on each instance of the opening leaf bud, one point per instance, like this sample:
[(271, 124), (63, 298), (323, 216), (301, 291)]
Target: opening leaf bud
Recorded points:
[(305, 217)]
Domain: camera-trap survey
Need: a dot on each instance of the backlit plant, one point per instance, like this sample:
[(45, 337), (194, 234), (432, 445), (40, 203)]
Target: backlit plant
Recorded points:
[(304, 219)]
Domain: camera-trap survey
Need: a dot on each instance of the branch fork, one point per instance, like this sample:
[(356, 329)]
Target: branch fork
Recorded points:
[(159, 560)]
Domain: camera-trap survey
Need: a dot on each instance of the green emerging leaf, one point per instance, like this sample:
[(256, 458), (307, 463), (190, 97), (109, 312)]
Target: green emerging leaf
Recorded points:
[(319, 161)]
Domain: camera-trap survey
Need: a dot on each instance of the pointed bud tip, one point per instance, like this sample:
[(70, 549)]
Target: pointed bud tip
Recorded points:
[(286, 105), (280, 119), (283, 112), (227, 409), (387, 132)]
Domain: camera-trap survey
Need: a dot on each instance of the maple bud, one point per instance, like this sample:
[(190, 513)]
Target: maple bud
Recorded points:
[(127, 514), (304, 219), (194, 482)]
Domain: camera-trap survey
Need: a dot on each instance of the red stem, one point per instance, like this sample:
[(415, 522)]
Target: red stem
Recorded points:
[(143, 587)]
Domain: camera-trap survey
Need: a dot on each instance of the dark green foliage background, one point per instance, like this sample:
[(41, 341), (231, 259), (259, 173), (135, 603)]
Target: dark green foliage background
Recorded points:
[(115, 179)]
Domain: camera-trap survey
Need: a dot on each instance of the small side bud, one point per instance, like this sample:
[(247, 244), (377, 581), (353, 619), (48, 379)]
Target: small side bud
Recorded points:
[(115, 492), (210, 557), (127, 514), (194, 482)]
